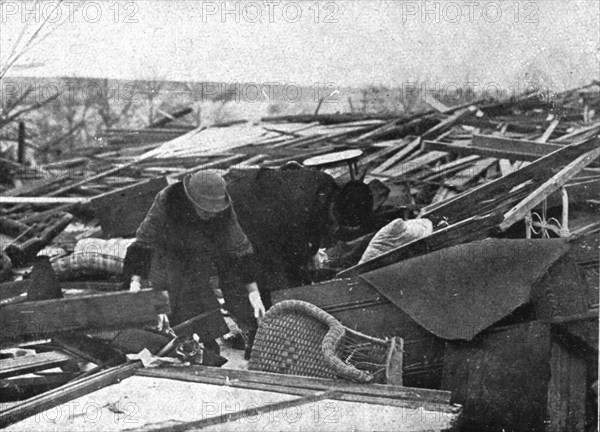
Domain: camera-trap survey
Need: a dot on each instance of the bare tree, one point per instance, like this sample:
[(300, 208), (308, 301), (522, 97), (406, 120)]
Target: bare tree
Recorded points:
[(111, 107)]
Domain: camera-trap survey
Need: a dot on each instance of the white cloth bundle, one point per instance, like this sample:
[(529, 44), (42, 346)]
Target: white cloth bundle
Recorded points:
[(395, 234)]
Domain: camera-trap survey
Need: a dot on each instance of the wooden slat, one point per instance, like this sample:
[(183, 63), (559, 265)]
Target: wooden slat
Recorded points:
[(242, 414), (472, 229), (586, 130), (42, 200), (366, 393), (122, 210), (219, 162), (540, 170), (66, 393), (406, 149), (514, 145), (448, 122), (466, 176), (446, 168), (416, 164), (548, 187), (31, 363), (99, 311), (436, 104), (467, 150), (548, 132)]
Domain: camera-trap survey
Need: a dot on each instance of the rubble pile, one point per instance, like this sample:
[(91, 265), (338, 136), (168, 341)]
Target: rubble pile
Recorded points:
[(523, 168)]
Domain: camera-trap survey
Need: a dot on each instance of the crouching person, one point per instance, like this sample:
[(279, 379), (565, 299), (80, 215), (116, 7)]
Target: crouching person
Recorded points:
[(191, 233)]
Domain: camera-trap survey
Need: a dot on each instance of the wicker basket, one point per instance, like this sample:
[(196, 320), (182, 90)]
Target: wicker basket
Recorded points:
[(298, 338)]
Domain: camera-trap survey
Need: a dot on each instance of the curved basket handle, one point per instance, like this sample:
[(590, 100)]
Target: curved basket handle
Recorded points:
[(331, 340)]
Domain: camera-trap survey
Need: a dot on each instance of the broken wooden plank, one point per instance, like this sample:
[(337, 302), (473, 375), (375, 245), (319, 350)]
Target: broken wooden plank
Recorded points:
[(449, 167), (25, 387), (540, 171), (213, 164), (548, 187), (436, 104), (448, 122), (32, 363), (405, 396), (36, 187), (461, 179), (548, 132), (416, 164), (505, 167), (97, 311), (66, 393), (443, 193), (22, 251), (122, 210), (538, 148), (467, 150), (440, 127), (42, 200), (586, 131), (387, 127), (404, 150), (236, 416), (474, 228), (98, 176)]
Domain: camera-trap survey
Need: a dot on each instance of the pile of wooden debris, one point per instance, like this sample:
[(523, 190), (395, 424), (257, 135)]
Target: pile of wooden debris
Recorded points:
[(527, 167)]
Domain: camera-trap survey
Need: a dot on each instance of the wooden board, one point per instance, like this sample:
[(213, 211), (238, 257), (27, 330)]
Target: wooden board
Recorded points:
[(548, 187), (566, 397), (416, 164), (42, 200), (467, 150), (501, 379), (66, 393), (121, 211), (475, 228), (538, 148), (31, 363), (517, 378), (189, 403), (539, 171), (462, 178), (100, 311), (223, 375)]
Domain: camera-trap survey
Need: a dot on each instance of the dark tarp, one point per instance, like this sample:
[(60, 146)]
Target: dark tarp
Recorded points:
[(457, 292)]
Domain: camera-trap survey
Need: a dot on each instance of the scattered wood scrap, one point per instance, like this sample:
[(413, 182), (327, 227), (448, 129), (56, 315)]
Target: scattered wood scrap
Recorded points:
[(92, 312)]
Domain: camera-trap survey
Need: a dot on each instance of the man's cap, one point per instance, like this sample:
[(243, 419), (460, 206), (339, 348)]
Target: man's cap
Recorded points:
[(207, 191)]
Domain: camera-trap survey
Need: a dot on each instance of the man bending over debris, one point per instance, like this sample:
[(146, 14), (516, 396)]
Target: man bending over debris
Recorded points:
[(190, 232)]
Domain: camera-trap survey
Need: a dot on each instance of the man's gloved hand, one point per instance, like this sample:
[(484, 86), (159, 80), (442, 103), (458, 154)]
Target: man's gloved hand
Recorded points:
[(135, 284), (257, 304)]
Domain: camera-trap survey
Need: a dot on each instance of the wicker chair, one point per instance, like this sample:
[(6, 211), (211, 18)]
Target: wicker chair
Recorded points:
[(298, 338)]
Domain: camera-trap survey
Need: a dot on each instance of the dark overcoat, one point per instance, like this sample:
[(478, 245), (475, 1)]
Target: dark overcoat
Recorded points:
[(187, 252)]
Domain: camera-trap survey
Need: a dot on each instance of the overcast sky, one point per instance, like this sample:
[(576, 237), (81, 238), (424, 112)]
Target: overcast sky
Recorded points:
[(350, 43)]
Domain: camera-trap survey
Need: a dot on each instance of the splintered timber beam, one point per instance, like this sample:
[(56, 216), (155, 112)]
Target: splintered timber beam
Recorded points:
[(42, 200), (550, 186), (98, 311), (413, 165), (31, 363), (383, 394), (474, 228), (438, 128), (466, 150), (538, 148), (468, 175), (406, 149), (539, 171), (66, 393)]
